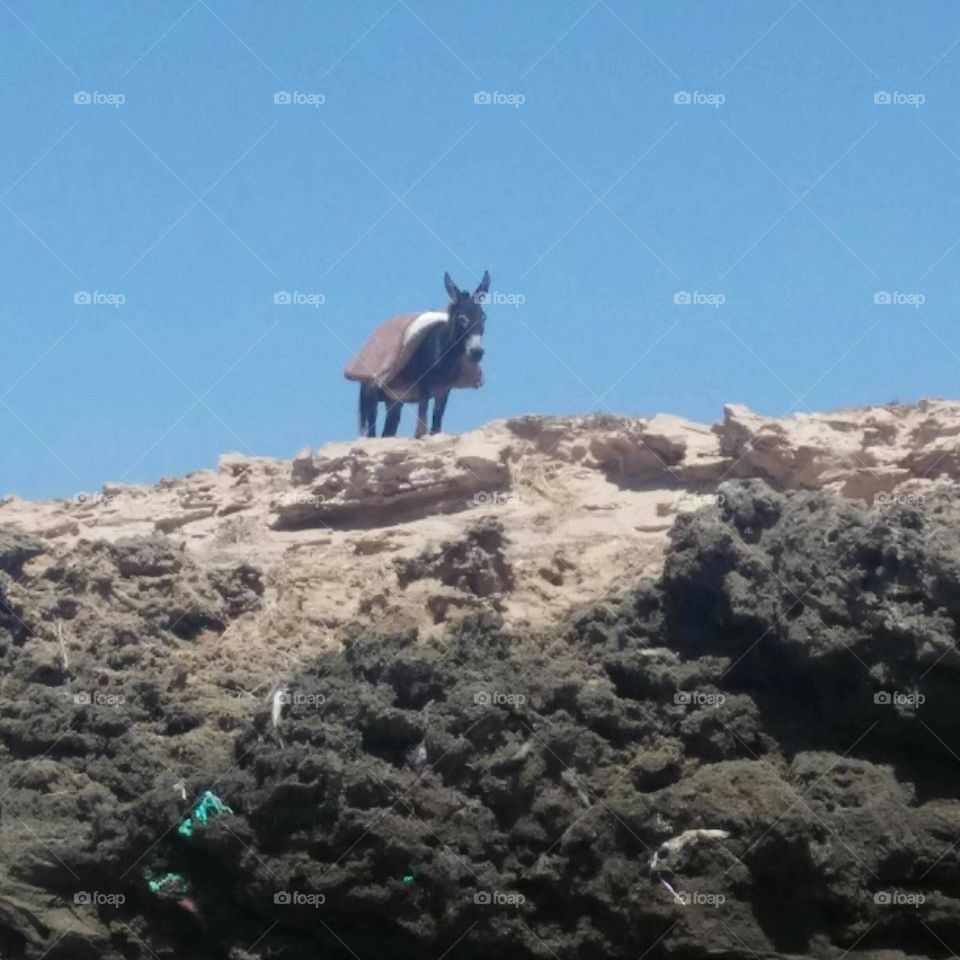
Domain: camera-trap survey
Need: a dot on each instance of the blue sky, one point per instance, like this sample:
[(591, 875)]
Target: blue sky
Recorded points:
[(780, 201)]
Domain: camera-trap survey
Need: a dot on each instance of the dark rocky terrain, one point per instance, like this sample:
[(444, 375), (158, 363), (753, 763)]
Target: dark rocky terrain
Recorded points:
[(789, 680)]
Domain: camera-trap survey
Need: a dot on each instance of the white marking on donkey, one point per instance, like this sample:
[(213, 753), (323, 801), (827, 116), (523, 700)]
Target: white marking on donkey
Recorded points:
[(419, 357)]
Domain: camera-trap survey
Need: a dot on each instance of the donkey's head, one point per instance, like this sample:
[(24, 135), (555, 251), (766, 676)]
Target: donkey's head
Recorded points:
[(467, 317)]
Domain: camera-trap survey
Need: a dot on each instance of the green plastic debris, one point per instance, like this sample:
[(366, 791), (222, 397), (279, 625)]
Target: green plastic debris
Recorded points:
[(210, 806), (168, 882)]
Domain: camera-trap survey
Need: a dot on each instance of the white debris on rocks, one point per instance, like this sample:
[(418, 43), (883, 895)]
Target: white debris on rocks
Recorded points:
[(670, 848), (280, 697)]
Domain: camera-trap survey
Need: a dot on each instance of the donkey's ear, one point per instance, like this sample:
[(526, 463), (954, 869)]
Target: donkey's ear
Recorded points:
[(451, 287), (484, 287)]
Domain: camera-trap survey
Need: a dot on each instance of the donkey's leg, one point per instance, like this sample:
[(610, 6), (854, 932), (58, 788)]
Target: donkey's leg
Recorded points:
[(368, 411), (393, 418), (422, 417), (439, 405)]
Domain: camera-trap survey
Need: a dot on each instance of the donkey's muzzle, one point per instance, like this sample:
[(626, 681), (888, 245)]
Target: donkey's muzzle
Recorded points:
[(475, 354)]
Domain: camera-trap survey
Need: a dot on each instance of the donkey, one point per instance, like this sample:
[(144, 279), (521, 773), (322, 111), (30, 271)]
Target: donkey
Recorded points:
[(418, 357)]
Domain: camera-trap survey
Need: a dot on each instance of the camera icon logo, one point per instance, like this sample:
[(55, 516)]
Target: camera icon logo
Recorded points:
[(683, 697), (682, 97), (282, 897), (482, 897), (882, 898), (882, 297), (281, 298), (481, 697), (282, 97), (482, 97), (82, 298), (82, 97), (681, 297), (81, 897), (882, 97), (883, 697), (82, 699)]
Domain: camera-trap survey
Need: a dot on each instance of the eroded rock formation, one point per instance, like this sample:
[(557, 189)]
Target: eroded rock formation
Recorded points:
[(461, 731)]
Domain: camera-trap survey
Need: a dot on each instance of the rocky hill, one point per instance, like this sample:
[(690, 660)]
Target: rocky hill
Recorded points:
[(583, 686)]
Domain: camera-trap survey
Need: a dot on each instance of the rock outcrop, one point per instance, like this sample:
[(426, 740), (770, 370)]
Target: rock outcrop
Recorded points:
[(596, 687), (585, 503)]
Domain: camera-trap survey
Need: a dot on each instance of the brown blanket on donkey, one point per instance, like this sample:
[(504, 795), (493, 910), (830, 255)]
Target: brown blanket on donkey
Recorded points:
[(384, 355)]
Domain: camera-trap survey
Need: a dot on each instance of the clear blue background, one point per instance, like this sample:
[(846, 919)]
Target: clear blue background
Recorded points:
[(199, 198)]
